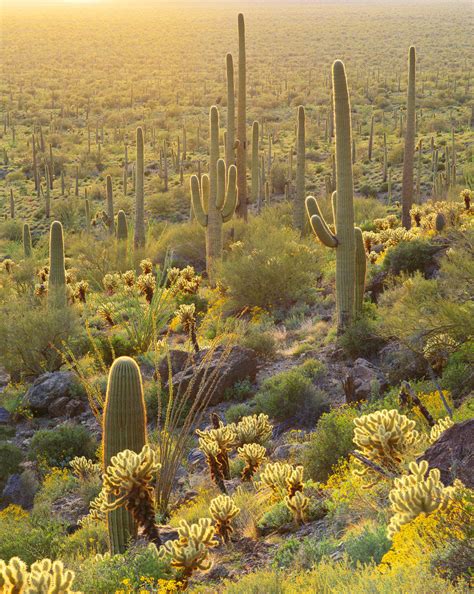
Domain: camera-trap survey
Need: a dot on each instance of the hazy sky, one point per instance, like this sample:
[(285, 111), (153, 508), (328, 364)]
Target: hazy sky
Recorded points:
[(134, 3)]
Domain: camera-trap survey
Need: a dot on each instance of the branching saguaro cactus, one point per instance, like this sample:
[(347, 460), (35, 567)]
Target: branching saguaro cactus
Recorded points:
[(241, 124), (214, 202), (350, 254), (57, 270), (409, 151), (299, 202), (139, 236), (124, 428)]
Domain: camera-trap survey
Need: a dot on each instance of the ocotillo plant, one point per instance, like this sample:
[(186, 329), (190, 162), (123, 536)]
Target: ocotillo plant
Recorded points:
[(255, 164), (57, 270), (139, 237), (27, 247), (408, 155), (241, 125), (298, 205), (230, 136), (124, 428), (110, 205), (213, 202), (349, 281)]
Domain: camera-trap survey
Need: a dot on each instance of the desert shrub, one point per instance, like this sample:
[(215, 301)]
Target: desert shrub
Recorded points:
[(270, 267), (458, 375), (261, 341), (409, 256), (10, 458), (278, 515), (57, 484), (186, 244), (241, 390), (291, 394), (331, 441), (57, 447), (11, 229), (286, 553), (361, 338), (278, 178), (89, 540), (368, 545), (235, 412)]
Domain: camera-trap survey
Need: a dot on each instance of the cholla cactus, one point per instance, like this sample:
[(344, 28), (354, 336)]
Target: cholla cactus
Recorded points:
[(146, 284), (276, 476), (8, 265), (146, 266), (212, 452), (190, 551), (438, 348), (415, 494), (466, 196), (297, 504), (440, 428), (43, 274), (80, 291), (111, 283), (224, 438), (44, 577), (185, 281), (106, 312), (187, 319), (97, 511), (294, 481), (223, 510), (71, 276), (41, 289), (252, 429), (128, 482), (253, 455), (128, 278), (385, 437), (83, 468)]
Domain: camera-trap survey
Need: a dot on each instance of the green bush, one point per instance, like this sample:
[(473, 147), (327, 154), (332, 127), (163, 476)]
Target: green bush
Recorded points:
[(291, 395), (331, 441), (458, 375), (261, 341), (11, 229), (361, 339), (10, 458), (87, 541), (285, 554), (369, 545), (409, 256), (235, 412), (278, 515), (57, 447)]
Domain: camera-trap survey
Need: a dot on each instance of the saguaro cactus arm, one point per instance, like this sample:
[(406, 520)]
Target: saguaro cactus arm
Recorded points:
[(318, 223), (230, 202), (197, 199)]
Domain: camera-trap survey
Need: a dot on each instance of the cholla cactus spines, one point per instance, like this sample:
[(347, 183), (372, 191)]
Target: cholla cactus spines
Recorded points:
[(385, 437), (124, 428), (122, 227), (409, 150), (224, 436), (111, 283), (84, 468), (186, 314), (139, 236), (252, 429), (128, 482), (297, 504), (213, 458), (146, 284), (146, 266), (57, 270), (223, 510), (294, 481), (97, 511), (230, 135), (255, 194), (214, 200), (110, 204), (27, 246), (466, 197), (184, 281), (415, 494), (8, 265), (242, 124), (253, 455), (13, 576), (80, 291), (45, 577), (275, 476), (440, 427), (299, 202)]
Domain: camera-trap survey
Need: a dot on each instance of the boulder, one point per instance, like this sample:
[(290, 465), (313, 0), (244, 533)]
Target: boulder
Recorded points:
[(20, 490), (5, 416), (399, 363), (453, 454), (47, 389), (217, 373), (362, 379)]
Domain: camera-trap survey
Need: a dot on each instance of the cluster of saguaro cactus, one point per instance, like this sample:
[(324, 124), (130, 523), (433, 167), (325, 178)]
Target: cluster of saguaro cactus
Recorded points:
[(44, 577), (122, 227), (57, 270), (385, 437), (139, 236), (350, 254), (409, 151), (84, 468), (253, 454), (223, 510), (214, 196), (415, 494), (124, 428)]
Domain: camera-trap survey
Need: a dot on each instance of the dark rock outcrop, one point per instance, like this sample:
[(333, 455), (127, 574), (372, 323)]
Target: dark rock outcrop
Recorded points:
[(54, 394)]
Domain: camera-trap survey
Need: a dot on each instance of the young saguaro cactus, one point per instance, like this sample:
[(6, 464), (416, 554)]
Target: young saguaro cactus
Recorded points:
[(139, 237), (255, 166), (57, 270), (122, 228), (124, 428), (350, 255), (241, 124), (409, 152), (298, 206), (110, 205), (214, 202), (27, 247)]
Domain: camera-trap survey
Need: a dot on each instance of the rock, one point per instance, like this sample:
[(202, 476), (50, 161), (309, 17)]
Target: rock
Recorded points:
[(74, 407), (4, 379), (47, 389), (5, 417), (399, 363), (177, 359), (20, 490), (288, 451), (218, 373), (196, 458), (69, 509), (453, 453), (362, 379)]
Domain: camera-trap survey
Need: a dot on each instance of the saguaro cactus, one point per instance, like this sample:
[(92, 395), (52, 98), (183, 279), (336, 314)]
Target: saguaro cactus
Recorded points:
[(350, 255), (230, 136), (255, 165), (139, 236), (110, 205), (57, 270), (298, 205), (213, 202), (122, 229), (27, 247), (124, 428), (409, 152), (241, 125)]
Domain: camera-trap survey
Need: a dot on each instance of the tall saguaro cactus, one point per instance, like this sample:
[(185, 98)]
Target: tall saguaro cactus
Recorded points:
[(139, 236), (124, 428), (213, 201), (298, 205), (350, 254), (57, 269), (255, 166), (27, 247), (409, 152), (230, 136), (110, 205), (241, 125)]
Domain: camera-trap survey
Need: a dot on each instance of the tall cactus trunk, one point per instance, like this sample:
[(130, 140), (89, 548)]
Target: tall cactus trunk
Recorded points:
[(255, 164), (57, 270), (408, 156), (230, 137), (110, 205), (214, 221), (299, 202), (139, 236), (241, 126)]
